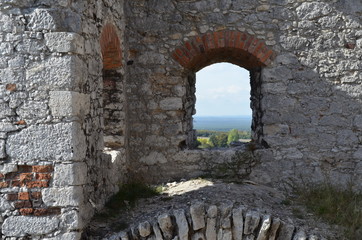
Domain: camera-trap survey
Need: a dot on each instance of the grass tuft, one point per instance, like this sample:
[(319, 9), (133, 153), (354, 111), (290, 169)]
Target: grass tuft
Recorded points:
[(338, 206)]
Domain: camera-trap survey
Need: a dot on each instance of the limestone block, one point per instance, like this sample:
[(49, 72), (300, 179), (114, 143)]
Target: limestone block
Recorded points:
[(6, 49), (124, 236), (274, 229), (17, 226), (276, 74), (238, 222), (66, 236), (198, 236), (64, 42), (225, 215), (144, 229), (287, 59), (67, 103), (166, 226), (313, 10), (264, 229), (171, 103), (33, 110), (252, 220), (153, 158), (9, 127), (70, 174), (43, 19), (71, 220), (157, 231), (64, 141), (197, 211), (182, 224), (63, 197), (224, 234), (274, 129), (357, 122), (2, 149), (4, 205), (211, 223), (54, 20), (57, 73), (300, 235), (286, 231), (7, 168)]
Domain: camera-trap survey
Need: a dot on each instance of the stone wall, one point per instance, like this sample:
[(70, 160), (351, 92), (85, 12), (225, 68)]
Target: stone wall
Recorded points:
[(303, 55), (226, 221), (54, 169)]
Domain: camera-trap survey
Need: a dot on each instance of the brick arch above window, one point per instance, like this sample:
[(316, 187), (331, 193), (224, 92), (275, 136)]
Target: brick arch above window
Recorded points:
[(235, 47), (110, 47)]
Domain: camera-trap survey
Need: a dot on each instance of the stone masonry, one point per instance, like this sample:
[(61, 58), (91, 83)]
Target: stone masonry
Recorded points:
[(96, 93), (226, 221)]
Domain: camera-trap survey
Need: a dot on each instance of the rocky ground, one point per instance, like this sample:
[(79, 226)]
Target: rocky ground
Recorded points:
[(177, 195)]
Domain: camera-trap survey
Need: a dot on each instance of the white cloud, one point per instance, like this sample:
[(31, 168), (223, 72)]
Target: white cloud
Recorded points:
[(223, 89)]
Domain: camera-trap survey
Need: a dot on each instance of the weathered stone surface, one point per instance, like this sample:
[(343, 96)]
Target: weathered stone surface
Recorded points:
[(274, 228), (286, 231), (264, 229), (166, 226), (18, 226), (4, 205), (67, 103), (300, 235), (157, 231), (62, 73), (64, 42), (224, 234), (2, 149), (70, 174), (211, 231), (63, 197), (144, 229), (197, 211), (225, 215), (238, 222), (198, 236), (252, 220), (66, 236), (171, 104), (154, 158), (182, 224), (64, 141)]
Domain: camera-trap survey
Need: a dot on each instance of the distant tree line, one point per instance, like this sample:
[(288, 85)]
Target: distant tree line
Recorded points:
[(210, 138)]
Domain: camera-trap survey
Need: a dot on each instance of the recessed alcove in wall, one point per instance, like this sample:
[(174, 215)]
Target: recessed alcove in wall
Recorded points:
[(222, 104), (113, 94), (241, 49)]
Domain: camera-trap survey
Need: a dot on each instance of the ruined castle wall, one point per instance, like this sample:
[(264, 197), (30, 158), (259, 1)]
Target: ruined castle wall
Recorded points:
[(54, 172), (57, 98), (309, 113)]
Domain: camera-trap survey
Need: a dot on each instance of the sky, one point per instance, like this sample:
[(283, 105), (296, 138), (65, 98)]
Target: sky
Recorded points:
[(223, 89)]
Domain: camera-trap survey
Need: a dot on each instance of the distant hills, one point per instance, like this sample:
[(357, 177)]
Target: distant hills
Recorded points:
[(222, 123)]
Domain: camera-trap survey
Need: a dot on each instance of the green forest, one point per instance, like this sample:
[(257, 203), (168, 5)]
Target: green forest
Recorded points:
[(212, 139)]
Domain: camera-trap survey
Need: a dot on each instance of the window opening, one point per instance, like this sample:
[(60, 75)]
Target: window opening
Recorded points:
[(223, 108)]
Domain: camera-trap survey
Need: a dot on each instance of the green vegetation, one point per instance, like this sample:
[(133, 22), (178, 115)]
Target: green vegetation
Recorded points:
[(210, 138), (233, 136), (208, 133), (338, 206)]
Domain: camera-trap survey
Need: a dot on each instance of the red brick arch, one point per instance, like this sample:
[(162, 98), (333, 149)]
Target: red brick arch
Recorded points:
[(110, 47), (235, 47)]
